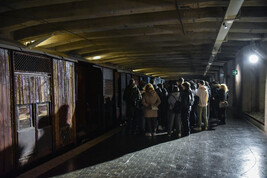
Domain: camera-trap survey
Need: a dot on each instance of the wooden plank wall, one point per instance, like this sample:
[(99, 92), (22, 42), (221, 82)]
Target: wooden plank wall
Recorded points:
[(6, 153), (32, 89), (64, 103)]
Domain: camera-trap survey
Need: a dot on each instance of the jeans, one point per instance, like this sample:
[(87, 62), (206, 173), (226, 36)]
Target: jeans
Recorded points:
[(185, 115), (175, 118), (202, 112)]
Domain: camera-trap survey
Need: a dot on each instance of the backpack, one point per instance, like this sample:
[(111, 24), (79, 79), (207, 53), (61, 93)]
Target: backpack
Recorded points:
[(177, 106)]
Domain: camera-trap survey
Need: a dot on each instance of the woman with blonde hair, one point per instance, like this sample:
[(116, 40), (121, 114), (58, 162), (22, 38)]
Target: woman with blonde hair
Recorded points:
[(223, 97), (151, 102)]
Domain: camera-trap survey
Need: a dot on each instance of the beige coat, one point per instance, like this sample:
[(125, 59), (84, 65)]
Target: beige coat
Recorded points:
[(150, 100)]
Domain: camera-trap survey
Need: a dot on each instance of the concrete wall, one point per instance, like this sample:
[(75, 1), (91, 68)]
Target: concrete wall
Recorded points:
[(247, 90)]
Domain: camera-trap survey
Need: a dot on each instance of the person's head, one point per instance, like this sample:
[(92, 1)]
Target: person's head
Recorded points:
[(193, 85), (149, 87), (175, 89), (180, 80), (186, 86), (160, 85), (132, 81), (213, 83), (152, 81), (201, 83), (224, 87)]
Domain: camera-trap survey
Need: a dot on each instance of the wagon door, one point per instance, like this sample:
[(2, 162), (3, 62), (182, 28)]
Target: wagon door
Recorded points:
[(32, 89)]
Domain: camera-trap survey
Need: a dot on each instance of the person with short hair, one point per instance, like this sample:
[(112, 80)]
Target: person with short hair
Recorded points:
[(132, 97), (203, 95), (151, 102), (180, 83), (186, 103)]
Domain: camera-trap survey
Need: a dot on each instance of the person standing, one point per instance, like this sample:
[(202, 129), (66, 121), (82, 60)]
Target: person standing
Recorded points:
[(214, 101), (132, 97), (180, 84), (203, 95), (175, 109), (193, 113), (151, 101), (187, 100), (223, 97)]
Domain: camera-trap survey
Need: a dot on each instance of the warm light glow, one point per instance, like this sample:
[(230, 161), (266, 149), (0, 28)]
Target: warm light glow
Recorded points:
[(96, 57), (253, 59), (137, 70)]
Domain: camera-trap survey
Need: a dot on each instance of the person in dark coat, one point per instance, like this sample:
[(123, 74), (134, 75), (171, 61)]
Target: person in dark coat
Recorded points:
[(180, 84), (163, 107), (187, 99), (223, 96), (132, 97), (214, 101)]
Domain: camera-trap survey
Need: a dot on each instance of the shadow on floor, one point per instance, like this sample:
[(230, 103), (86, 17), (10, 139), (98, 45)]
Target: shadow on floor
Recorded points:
[(112, 148)]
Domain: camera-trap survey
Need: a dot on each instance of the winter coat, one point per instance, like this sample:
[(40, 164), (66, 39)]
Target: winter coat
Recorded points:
[(172, 99), (185, 100), (222, 95), (203, 95), (150, 100), (132, 97)]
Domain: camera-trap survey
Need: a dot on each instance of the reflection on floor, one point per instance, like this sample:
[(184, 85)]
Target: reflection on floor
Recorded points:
[(236, 149)]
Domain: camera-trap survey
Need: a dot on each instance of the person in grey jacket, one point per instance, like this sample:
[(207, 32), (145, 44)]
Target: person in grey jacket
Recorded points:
[(203, 95), (175, 114)]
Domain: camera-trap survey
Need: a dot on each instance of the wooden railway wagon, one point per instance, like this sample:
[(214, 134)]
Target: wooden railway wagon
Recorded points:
[(37, 106), (49, 103)]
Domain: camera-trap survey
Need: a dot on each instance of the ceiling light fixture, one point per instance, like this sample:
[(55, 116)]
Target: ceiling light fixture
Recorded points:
[(224, 25), (96, 57)]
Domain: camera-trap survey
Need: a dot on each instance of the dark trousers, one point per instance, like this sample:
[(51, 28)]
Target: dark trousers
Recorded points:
[(132, 120), (193, 116), (185, 116), (151, 124), (214, 109), (222, 115)]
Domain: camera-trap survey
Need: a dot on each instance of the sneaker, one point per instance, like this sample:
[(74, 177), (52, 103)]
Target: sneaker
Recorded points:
[(179, 135), (206, 128), (160, 127), (148, 134)]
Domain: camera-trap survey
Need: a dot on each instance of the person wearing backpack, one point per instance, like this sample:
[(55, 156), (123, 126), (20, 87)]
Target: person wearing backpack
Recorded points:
[(174, 107), (203, 95), (187, 101)]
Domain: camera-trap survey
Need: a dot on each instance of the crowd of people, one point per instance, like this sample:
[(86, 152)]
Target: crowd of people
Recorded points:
[(176, 107)]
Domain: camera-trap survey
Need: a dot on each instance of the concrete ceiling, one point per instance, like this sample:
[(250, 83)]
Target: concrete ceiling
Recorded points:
[(148, 36)]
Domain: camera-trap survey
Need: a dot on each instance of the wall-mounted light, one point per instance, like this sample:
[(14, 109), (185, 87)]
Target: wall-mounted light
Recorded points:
[(253, 58)]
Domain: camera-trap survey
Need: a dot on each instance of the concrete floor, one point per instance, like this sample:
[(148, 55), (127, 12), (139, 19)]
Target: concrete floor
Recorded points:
[(236, 149)]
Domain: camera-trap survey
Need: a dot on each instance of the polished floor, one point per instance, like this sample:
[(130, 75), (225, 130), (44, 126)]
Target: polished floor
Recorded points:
[(237, 149)]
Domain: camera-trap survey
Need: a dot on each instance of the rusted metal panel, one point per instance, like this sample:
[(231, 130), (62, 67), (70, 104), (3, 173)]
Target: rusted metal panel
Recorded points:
[(6, 151), (64, 102)]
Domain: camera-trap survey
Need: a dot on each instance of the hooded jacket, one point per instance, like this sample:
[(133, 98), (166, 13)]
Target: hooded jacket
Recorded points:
[(203, 95)]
